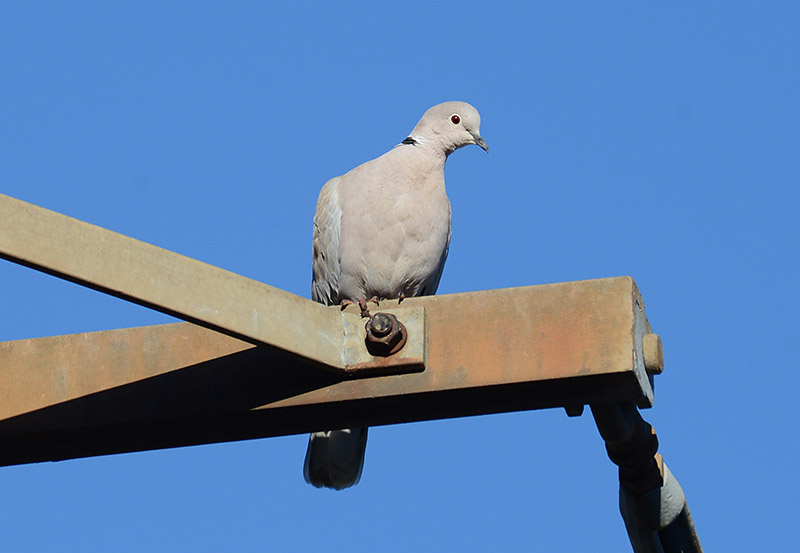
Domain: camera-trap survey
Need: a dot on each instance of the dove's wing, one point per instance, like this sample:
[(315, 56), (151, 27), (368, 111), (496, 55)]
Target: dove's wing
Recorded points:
[(327, 226)]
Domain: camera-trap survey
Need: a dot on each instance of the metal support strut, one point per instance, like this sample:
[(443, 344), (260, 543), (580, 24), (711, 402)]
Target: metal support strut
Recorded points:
[(651, 500)]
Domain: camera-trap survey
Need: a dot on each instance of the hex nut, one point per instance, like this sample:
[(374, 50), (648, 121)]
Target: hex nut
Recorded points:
[(385, 334)]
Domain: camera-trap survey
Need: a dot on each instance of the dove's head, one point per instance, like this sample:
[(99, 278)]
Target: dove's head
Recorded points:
[(450, 126)]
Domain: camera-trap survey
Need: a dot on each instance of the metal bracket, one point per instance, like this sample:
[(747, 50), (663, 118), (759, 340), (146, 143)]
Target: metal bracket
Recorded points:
[(359, 361)]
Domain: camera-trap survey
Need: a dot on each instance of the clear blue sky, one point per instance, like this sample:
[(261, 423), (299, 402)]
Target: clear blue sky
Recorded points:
[(647, 139)]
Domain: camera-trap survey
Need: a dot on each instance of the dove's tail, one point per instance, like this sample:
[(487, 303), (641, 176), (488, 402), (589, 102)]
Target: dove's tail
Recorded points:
[(335, 458)]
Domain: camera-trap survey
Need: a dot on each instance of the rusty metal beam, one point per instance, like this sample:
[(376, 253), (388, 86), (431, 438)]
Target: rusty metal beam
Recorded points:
[(534, 347), (192, 290)]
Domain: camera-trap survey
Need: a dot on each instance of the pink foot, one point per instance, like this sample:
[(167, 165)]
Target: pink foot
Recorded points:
[(362, 305)]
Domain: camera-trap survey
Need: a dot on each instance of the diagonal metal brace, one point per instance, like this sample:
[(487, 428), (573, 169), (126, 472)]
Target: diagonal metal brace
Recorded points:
[(198, 292)]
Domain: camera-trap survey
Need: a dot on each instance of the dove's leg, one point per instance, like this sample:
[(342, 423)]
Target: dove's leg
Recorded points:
[(362, 305)]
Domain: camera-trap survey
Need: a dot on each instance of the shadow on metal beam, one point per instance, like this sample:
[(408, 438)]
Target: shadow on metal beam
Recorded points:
[(230, 398)]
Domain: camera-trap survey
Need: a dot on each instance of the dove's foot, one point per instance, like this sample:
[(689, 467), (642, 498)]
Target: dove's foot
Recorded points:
[(362, 305)]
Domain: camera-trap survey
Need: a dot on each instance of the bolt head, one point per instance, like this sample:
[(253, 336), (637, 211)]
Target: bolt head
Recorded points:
[(381, 324)]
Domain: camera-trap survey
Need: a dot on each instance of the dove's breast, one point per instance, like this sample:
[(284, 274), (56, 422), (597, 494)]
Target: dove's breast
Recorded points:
[(395, 230)]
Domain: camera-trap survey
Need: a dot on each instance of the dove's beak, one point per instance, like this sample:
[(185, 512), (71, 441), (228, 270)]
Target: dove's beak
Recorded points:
[(480, 142)]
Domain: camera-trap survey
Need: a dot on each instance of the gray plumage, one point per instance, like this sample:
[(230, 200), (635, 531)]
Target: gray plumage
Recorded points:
[(383, 230)]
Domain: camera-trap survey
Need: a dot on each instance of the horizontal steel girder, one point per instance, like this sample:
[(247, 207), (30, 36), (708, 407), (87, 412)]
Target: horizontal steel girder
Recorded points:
[(534, 347)]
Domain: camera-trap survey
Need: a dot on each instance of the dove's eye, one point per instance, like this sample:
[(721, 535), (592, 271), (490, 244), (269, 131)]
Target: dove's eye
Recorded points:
[(455, 119)]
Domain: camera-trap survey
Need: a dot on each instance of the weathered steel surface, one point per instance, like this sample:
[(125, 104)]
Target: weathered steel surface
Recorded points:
[(191, 290), (172, 385)]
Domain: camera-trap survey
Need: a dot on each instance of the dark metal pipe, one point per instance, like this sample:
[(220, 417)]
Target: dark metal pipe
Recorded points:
[(652, 502)]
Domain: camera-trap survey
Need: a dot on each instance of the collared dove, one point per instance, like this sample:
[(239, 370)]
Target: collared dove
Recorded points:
[(382, 231)]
